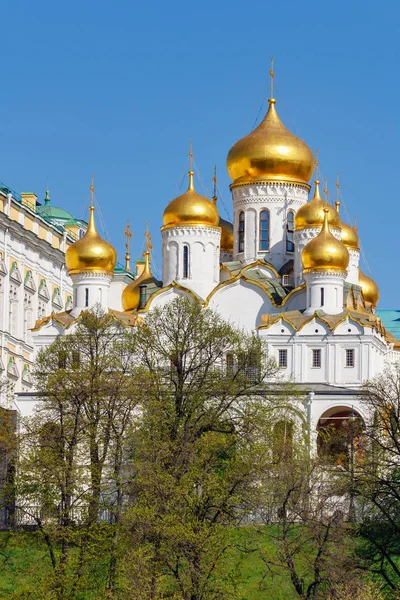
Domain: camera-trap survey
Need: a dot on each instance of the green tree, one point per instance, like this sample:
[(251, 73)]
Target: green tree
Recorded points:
[(377, 481), (72, 460), (200, 450)]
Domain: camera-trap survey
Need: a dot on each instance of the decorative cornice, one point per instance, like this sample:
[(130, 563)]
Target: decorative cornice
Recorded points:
[(311, 232), (191, 227), (91, 275), (322, 273), (191, 230), (272, 183), (269, 191)]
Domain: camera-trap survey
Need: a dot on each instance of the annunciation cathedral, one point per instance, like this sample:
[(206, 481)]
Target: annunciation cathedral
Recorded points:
[(287, 269)]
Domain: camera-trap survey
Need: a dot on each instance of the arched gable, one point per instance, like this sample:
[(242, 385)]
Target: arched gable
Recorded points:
[(167, 294), (296, 299), (240, 301)]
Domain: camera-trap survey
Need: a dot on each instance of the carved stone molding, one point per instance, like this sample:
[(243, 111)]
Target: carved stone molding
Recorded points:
[(310, 233), (181, 231), (274, 190), (91, 275), (326, 273)]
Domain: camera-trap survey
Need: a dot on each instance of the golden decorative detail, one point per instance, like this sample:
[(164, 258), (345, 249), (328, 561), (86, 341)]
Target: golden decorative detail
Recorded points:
[(311, 215), (91, 253), (128, 235), (369, 288), (191, 208), (270, 153), (325, 252)]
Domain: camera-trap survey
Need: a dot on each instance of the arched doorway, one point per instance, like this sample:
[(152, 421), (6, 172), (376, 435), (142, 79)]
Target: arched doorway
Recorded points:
[(341, 439)]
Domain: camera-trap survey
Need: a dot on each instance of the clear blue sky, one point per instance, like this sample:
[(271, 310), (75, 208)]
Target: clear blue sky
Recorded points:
[(118, 89)]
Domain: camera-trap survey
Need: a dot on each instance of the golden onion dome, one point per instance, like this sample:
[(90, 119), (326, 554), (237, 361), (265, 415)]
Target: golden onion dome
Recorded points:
[(311, 215), (131, 294), (349, 235), (91, 253), (191, 208), (226, 234), (270, 153), (325, 252), (369, 288)]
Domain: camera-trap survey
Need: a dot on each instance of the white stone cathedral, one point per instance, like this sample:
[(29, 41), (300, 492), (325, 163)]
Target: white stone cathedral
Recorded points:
[(287, 270)]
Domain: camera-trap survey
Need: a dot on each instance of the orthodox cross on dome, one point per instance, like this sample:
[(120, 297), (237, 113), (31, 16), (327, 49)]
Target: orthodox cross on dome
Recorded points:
[(92, 191), (128, 235), (337, 184), (326, 189), (272, 74), (215, 180), (149, 244), (190, 156), (316, 162)]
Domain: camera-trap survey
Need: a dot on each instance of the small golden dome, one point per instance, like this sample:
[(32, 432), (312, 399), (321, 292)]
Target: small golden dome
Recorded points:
[(191, 208), (131, 294), (325, 252), (91, 253), (270, 153), (311, 215), (226, 235), (369, 288), (349, 235)]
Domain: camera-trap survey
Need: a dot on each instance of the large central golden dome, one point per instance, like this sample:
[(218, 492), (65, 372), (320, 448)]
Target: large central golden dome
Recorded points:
[(91, 253), (191, 208), (325, 252), (270, 153)]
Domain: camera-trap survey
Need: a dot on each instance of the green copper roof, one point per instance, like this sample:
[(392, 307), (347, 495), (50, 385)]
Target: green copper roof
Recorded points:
[(391, 320), (53, 212)]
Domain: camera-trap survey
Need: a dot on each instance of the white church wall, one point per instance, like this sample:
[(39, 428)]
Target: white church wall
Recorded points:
[(241, 303)]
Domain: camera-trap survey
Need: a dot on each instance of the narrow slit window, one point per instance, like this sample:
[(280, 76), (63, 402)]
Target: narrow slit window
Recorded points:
[(264, 230), (290, 231), (282, 359), (350, 358), (322, 296), (241, 231), (86, 296), (185, 262), (316, 359)]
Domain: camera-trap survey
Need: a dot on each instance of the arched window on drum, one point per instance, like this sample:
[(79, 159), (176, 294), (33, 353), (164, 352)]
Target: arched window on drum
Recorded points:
[(289, 231), (185, 262), (264, 230), (241, 231)]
